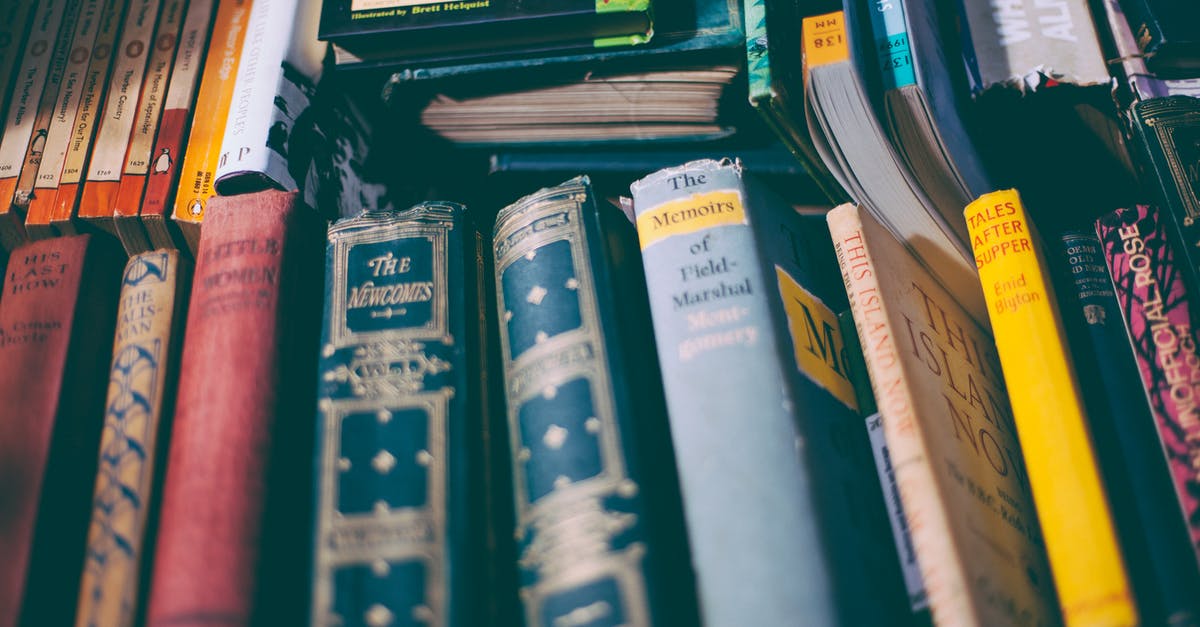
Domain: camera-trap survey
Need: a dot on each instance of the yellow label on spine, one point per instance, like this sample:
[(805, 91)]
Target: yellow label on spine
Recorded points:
[(825, 39), (816, 338), (691, 214), (1072, 506)]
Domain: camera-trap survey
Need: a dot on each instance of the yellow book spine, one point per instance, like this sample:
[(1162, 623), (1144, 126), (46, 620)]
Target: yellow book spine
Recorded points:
[(1073, 508)]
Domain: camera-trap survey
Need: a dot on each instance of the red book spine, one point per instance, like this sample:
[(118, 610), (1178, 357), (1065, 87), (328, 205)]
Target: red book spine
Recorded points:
[(215, 491), (52, 381)]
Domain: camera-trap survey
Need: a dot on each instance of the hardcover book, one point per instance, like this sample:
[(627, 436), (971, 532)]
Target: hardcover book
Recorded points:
[(56, 322), (272, 98), (94, 33), (184, 204), (949, 434), (18, 134), (103, 180), (742, 297), (148, 228), (133, 443), (407, 31), (1048, 412), (240, 443), (402, 405), (1156, 300), (589, 451), (1167, 35)]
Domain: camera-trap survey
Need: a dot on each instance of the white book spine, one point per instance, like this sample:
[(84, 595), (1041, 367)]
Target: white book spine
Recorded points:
[(281, 63), (27, 88)]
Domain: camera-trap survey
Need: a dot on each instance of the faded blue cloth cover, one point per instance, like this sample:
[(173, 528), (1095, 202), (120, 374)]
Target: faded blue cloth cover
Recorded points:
[(784, 510), (399, 536)]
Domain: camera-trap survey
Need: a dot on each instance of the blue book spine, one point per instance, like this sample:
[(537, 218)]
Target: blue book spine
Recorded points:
[(1148, 517), (783, 507), (593, 549), (401, 405)]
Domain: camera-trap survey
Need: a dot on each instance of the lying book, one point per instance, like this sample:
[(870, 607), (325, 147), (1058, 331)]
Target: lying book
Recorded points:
[(853, 144), (133, 444), (742, 295), (56, 323), (406, 30), (403, 410), (590, 452), (1168, 35), (1048, 412), (949, 434)]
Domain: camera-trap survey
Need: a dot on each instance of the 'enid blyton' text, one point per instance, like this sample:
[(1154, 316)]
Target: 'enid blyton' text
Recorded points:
[(996, 233)]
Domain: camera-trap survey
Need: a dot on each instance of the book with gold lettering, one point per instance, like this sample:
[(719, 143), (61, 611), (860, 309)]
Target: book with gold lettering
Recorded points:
[(57, 314), (596, 504), (103, 179), (1140, 247), (403, 417), (948, 431), (133, 443), (743, 291), (1048, 412)]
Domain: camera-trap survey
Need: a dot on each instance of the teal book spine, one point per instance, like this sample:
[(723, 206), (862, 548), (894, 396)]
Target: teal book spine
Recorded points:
[(889, 29), (784, 509), (599, 536), (399, 527)]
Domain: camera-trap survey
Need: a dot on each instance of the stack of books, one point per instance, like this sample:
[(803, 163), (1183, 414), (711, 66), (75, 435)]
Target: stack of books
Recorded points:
[(697, 313)]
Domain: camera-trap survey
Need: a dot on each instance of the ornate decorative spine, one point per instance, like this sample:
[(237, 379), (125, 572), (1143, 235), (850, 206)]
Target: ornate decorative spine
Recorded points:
[(400, 421), (585, 551)]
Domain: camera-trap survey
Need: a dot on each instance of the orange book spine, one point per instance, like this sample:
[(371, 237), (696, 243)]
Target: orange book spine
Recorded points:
[(208, 128), (99, 193)]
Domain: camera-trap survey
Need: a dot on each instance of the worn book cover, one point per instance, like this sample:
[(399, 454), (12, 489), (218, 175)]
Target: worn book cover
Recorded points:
[(133, 442), (403, 417), (103, 179), (94, 34), (237, 486), (56, 322), (584, 414), (1048, 411), (742, 295), (408, 30), (1157, 303), (18, 134), (951, 441)]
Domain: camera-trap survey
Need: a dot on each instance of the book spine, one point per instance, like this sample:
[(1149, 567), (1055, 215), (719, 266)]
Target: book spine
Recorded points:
[(19, 134), (139, 234), (59, 300), (79, 149), (272, 94), (1155, 301), (398, 436), (149, 110), (103, 178), (717, 346), (571, 421), (133, 442), (195, 186), (14, 26), (40, 198), (1144, 25), (1166, 130), (889, 29), (1085, 558), (945, 581), (221, 448)]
